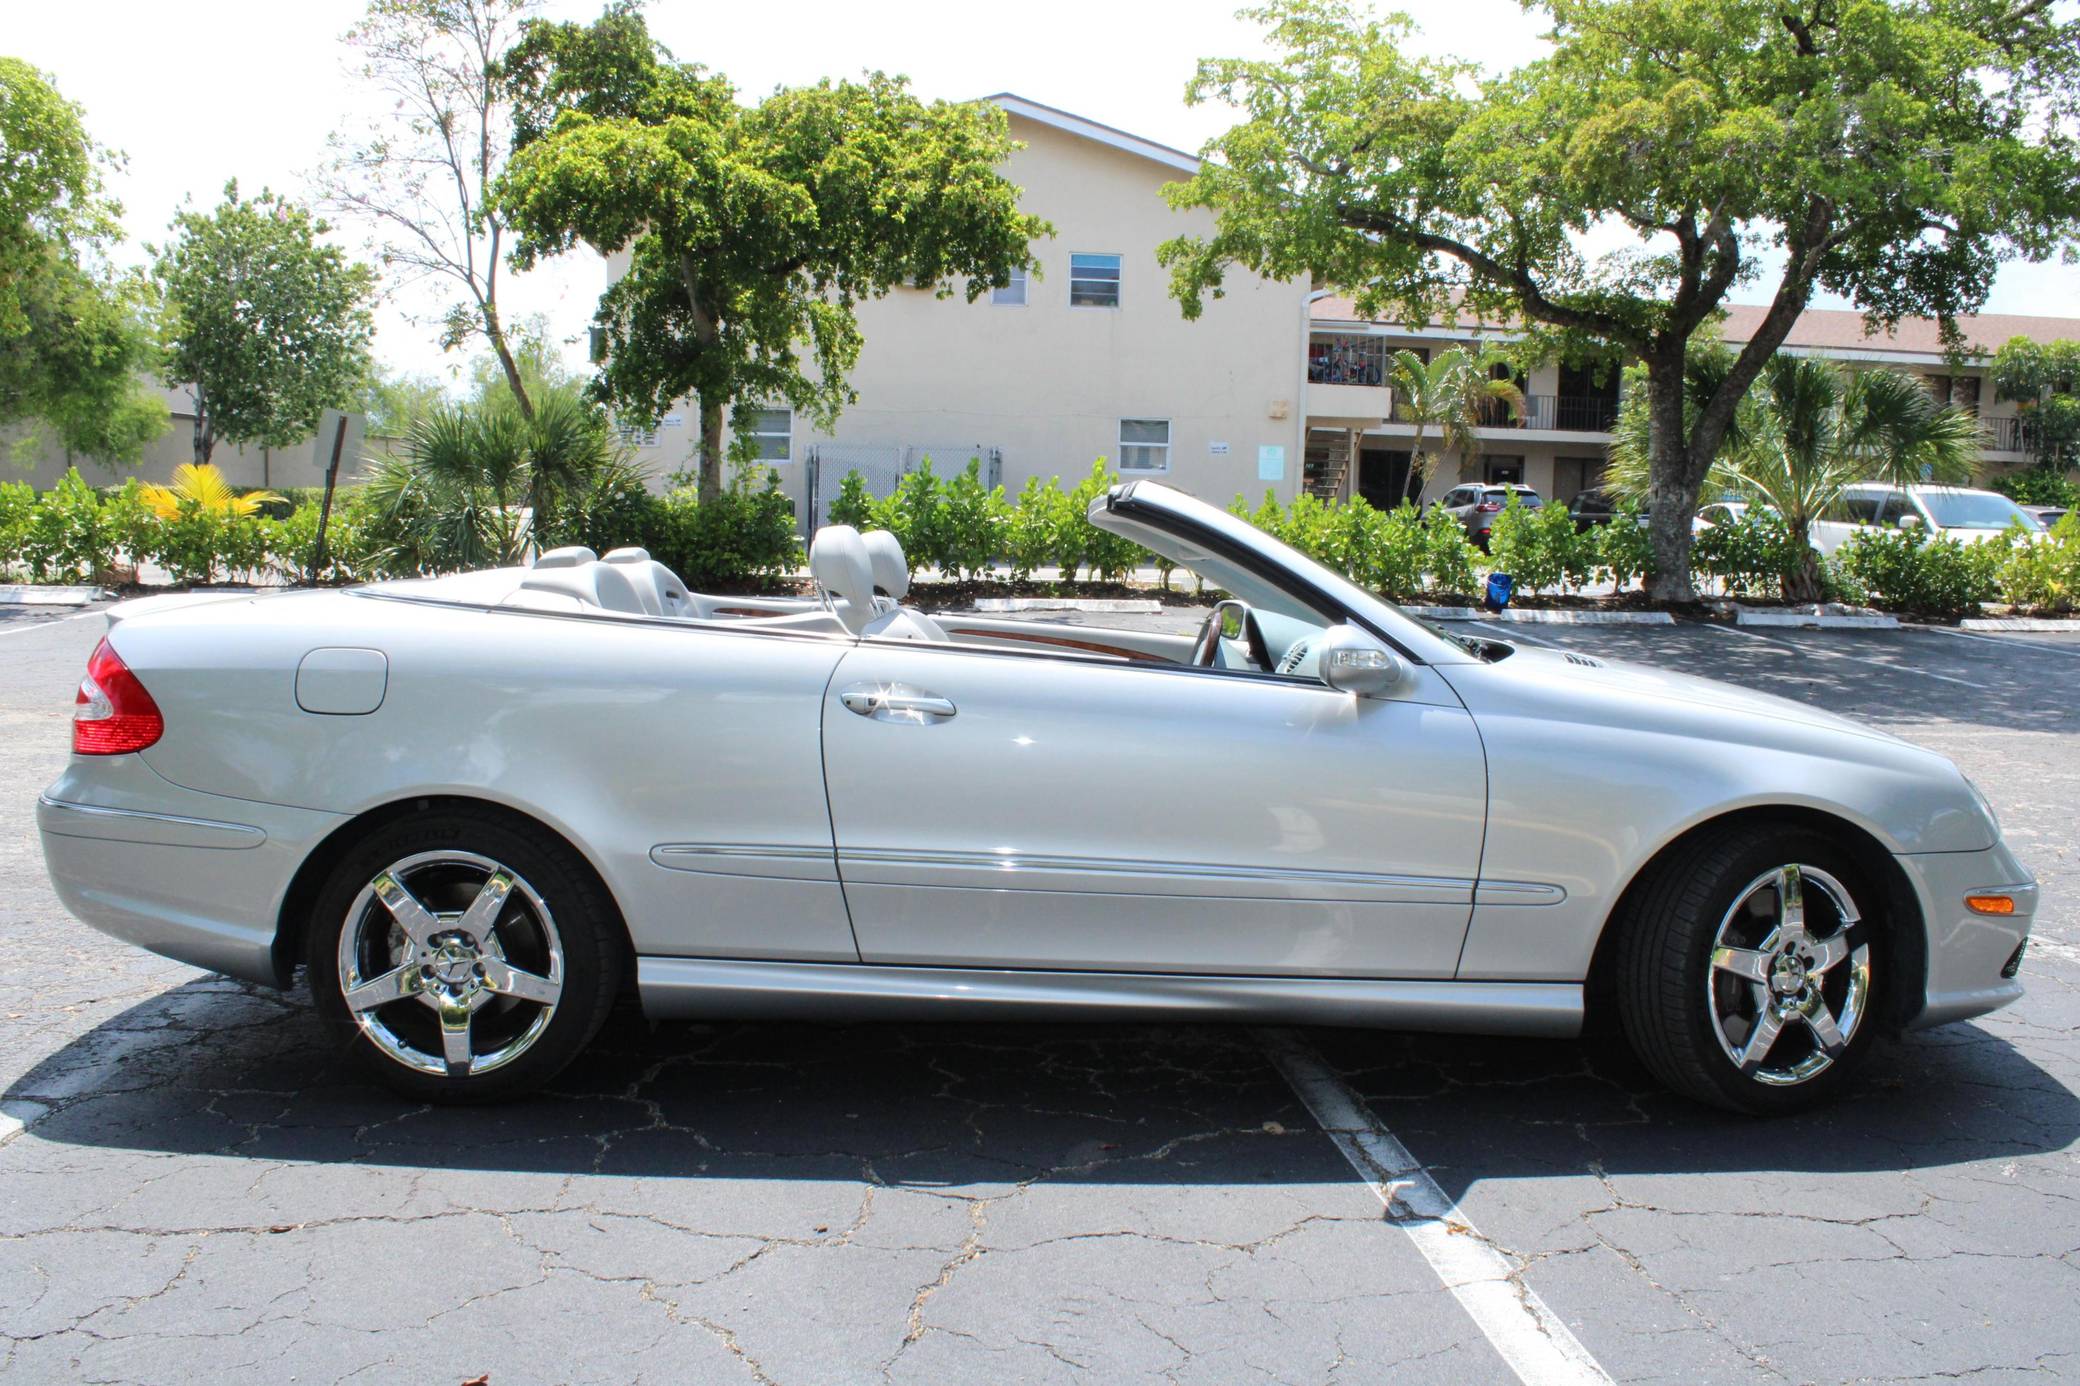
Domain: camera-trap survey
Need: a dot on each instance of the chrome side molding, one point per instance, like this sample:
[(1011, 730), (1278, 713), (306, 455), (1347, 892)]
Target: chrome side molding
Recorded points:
[(722, 988)]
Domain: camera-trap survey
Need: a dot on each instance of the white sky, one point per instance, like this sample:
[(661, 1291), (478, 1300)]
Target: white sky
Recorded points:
[(250, 88)]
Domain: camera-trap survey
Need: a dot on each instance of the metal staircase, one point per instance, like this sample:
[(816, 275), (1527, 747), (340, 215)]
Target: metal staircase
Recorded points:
[(1328, 462)]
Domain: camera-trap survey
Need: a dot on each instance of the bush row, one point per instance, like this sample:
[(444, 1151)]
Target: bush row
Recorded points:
[(962, 528)]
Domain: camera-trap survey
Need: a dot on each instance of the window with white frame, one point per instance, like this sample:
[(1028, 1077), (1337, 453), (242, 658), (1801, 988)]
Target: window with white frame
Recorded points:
[(1144, 445), (771, 431), (1012, 295), (1094, 281)]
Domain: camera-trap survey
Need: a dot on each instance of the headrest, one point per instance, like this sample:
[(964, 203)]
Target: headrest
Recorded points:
[(594, 584), (839, 563), (569, 556), (631, 554), (885, 553)]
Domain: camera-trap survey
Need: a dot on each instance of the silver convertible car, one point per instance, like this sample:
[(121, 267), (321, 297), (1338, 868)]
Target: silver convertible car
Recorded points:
[(476, 809)]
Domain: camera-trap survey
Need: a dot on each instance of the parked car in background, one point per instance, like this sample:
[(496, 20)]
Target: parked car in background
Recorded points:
[(1595, 507), (1476, 504), (1967, 515), (2045, 515)]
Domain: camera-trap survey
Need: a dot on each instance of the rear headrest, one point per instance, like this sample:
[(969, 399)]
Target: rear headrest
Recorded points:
[(885, 553), (631, 554), (839, 563), (569, 556), (594, 584)]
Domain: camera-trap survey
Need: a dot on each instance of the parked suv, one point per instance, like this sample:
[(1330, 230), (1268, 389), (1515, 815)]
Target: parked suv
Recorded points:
[(1966, 515), (1592, 508), (1476, 504)]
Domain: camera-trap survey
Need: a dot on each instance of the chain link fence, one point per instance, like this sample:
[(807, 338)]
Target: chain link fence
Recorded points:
[(883, 465)]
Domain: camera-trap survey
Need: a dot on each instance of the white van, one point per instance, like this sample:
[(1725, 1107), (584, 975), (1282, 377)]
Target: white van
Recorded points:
[(1964, 514)]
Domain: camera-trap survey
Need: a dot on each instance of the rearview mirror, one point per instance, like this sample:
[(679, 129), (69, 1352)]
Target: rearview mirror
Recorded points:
[(1350, 661)]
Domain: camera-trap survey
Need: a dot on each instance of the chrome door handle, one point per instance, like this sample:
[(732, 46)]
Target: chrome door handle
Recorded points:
[(896, 702)]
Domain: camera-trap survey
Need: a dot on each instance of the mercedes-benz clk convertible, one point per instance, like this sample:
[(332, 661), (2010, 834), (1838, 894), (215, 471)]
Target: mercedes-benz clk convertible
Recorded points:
[(475, 810)]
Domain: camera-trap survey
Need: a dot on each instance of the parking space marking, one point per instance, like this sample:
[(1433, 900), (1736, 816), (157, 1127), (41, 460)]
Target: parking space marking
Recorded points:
[(1510, 634), (1839, 654), (1999, 640), (1530, 1337), (45, 625)]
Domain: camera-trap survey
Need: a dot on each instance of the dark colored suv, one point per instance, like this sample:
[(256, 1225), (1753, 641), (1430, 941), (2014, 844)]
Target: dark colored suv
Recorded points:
[(1476, 504)]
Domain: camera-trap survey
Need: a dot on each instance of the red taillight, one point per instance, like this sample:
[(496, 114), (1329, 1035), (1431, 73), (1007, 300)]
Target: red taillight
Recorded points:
[(1488, 507), (113, 714)]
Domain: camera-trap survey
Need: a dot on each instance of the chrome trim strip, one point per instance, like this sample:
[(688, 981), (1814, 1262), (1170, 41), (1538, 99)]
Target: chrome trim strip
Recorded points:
[(782, 859), (1013, 863), (712, 988), (1517, 893), (243, 835)]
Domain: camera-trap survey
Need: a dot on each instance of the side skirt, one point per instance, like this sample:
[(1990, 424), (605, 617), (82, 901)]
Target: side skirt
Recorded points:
[(712, 988)]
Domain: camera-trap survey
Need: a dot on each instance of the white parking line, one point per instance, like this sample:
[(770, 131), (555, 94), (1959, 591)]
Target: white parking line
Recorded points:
[(56, 621), (1531, 1338), (1506, 633), (1999, 640), (1838, 654)]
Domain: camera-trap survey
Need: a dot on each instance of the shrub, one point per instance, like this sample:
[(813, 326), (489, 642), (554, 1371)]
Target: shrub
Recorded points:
[(1907, 570), (65, 539), (854, 504), (2038, 486), (2045, 575), (1033, 529), (1540, 547), (971, 523), (1448, 557), (1109, 556), (17, 513), (1750, 556), (1625, 548), (746, 534), (1394, 548)]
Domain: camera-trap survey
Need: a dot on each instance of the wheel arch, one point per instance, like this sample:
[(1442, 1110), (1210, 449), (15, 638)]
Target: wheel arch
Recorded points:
[(1905, 928), (292, 924)]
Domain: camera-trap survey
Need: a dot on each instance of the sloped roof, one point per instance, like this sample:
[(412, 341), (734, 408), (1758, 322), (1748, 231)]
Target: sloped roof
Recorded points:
[(1104, 134)]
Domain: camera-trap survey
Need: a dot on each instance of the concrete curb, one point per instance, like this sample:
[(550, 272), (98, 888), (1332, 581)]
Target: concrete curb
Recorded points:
[(1814, 620), (2041, 623), (1139, 606), (30, 594), (1543, 616)]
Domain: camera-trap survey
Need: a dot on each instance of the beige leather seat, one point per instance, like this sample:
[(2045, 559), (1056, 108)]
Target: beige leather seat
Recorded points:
[(839, 563), (892, 578), (659, 587), (594, 586), (569, 556)]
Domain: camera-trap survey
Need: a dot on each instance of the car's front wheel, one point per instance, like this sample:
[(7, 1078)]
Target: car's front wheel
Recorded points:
[(464, 955), (1750, 967)]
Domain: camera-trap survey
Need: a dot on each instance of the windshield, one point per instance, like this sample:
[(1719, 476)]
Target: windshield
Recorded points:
[(1528, 499), (1973, 510)]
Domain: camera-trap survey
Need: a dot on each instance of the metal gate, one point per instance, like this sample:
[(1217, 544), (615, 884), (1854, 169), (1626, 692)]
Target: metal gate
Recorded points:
[(882, 465)]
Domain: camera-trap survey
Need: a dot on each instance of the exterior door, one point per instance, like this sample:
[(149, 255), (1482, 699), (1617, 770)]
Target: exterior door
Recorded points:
[(995, 810)]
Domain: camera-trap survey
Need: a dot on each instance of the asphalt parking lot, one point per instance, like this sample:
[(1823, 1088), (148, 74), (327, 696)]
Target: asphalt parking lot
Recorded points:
[(195, 1186)]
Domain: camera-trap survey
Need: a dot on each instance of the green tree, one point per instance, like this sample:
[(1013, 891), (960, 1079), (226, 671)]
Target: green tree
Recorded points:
[(268, 326), (750, 233), (74, 337), (1454, 393), (2044, 378), (1891, 151), (421, 176), (1806, 432)]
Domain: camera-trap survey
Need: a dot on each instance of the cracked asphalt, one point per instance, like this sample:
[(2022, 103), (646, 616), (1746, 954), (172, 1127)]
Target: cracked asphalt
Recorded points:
[(196, 1186)]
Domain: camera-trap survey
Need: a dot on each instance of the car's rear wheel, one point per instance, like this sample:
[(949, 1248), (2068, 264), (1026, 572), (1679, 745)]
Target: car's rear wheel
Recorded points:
[(1749, 969), (465, 956)]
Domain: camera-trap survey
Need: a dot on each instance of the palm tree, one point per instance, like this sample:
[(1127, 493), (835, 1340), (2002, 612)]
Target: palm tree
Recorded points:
[(199, 488), (1807, 431), (1453, 393)]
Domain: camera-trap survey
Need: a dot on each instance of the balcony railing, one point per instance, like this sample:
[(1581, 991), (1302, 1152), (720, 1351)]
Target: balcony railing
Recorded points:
[(1557, 413), (2011, 434), (1347, 361)]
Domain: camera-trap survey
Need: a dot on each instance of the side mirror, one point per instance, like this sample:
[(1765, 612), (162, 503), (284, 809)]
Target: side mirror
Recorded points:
[(1350, 661), (1910, 522)]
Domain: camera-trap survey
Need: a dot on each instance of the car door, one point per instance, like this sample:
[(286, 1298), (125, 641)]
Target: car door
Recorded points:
[(1008, 810)]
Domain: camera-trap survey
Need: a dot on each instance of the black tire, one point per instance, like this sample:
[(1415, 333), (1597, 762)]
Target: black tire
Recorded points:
[(1668, 989), (582, 920)]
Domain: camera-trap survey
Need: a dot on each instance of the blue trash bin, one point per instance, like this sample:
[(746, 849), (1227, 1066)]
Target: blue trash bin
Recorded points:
[(1500, 587)]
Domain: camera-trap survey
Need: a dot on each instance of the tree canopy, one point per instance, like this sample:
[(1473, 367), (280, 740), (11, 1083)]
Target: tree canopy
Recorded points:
[(268, 324), (1610, 194), (73, 334), (2044, 379), (750, 233)]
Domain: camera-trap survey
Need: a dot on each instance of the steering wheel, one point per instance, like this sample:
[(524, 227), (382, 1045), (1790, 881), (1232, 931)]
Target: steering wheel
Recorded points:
[(1206, 648)]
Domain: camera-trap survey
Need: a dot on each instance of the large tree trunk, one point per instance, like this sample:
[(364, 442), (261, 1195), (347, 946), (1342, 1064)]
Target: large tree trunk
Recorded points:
[(205, 431), (1803, 583), (495, 331), (711, 448), (1673, 485)]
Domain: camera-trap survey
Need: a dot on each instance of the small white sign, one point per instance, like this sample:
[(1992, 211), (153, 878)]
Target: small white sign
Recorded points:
[(1271, 462), (1216, 449), (672, 421), (329, 436)]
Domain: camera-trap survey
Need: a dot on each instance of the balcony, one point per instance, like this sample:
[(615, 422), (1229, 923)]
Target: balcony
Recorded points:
[(1556, 414), (2012, 434)]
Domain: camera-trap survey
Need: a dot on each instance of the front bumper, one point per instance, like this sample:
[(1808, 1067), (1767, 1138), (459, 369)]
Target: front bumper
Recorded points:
[(1967, 951), (196, 877)]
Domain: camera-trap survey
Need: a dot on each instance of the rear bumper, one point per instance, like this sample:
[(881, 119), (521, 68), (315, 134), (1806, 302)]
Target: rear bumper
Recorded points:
[(1967, 951), (194, 877)]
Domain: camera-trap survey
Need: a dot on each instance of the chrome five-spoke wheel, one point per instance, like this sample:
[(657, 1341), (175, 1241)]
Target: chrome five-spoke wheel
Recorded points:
[(450, 963), (1790, 979)]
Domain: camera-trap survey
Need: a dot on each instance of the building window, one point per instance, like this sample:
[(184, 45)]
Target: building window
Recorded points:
[(1094, 281), (771, 431), (1012, 294), (636, 437), (1144, 445)]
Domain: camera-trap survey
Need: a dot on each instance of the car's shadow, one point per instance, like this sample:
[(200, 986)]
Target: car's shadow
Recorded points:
[(214, 1068)]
